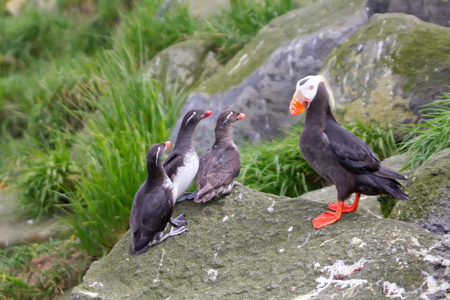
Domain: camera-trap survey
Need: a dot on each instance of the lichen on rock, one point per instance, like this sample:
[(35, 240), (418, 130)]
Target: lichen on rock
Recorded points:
[(255, 245), (429, 193), (388, 68)]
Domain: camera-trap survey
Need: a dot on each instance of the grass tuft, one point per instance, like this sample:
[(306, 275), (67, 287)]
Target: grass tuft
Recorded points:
[(430, 136)]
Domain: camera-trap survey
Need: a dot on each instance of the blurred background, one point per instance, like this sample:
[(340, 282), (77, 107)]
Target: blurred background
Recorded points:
[(86, 86)]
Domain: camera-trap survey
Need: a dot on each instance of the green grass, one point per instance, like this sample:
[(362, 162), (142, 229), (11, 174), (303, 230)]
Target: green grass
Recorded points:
[(131, 114), (234, 28), (40, 271), (45, 180), (430, 136), (278, 167)]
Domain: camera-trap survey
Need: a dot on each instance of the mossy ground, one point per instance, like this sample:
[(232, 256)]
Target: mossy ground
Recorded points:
[(255, 245)]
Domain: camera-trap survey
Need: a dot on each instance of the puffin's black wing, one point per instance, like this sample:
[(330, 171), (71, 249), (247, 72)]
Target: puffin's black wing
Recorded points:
[(351, 152), (218, 168), (171, 162)]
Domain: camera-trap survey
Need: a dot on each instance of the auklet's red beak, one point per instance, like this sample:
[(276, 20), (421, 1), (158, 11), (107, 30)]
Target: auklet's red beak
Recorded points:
[(167, 145), (207, 113), (298, 104), (241, 116)]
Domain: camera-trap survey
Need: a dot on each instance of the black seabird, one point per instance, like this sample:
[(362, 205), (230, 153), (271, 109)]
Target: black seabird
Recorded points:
[(220, 164), (182, 164), (336, 154), (153, 205)]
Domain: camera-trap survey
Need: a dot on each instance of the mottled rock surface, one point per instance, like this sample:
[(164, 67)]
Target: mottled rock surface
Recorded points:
[(183, 64), (429, 195), (433, 11), (260, 80), (251, 245), (388, 68)]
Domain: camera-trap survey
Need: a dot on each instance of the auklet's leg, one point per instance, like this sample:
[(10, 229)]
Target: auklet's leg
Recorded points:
[(328, 217), (187, 196), (347, 208), (178, 221), (173, 232)]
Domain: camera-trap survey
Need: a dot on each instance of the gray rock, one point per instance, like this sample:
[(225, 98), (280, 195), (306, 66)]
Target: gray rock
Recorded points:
[(388, 68), (251, 245), (433, 11), (260, 80), (429, 191), (17, 230), (183, 64), (198, 8)]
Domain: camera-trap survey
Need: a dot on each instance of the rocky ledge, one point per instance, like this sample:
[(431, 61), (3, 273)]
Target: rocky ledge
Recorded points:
[(260, 246)]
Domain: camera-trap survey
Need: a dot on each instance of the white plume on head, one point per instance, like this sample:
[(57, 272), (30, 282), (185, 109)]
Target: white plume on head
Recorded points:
[(318, 79), (228, 116), (193, 114)]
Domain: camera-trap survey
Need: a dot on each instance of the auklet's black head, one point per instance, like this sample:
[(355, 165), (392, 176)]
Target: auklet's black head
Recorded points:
[(154, 156), (192, 117), (187, 127)]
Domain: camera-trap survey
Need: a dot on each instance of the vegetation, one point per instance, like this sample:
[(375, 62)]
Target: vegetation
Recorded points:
[(430, 136), (76, 117), (38, 271)]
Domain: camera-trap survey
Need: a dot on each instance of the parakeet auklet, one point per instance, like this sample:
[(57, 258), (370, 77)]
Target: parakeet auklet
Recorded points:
[(153, 205), (220, 164), (182, 164)]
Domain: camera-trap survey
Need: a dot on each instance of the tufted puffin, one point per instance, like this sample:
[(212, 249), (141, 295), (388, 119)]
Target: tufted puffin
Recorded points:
[(336, 154), (220, 164), (153, 205), (182, 164)]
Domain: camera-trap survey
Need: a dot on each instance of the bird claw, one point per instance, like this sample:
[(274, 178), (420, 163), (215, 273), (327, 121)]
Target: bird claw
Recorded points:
[(186, 196), (178, 221)]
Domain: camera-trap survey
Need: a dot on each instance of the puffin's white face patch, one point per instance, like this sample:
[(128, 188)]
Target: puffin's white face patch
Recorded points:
[(228, 117), (308, 87), (157, 155), (193, 114)]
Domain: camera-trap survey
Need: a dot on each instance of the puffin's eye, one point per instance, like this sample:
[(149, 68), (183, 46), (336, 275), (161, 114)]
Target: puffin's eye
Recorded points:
[(311, 87)]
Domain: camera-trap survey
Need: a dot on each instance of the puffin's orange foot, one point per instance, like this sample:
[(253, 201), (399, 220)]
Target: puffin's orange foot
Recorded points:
[(325, 219), (345, 208)]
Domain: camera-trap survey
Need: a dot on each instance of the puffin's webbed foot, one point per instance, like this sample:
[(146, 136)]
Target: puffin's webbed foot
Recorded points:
[(187, 196), (178, 221), (328, 218), (346, 208)]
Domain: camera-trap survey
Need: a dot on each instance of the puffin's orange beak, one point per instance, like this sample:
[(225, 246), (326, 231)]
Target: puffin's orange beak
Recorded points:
[(167, 145), (207, 113), (241, 116), (298, 103)]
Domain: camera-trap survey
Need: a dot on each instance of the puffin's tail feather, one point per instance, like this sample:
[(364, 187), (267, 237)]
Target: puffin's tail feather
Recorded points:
[(388, 173), (392, 187)]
